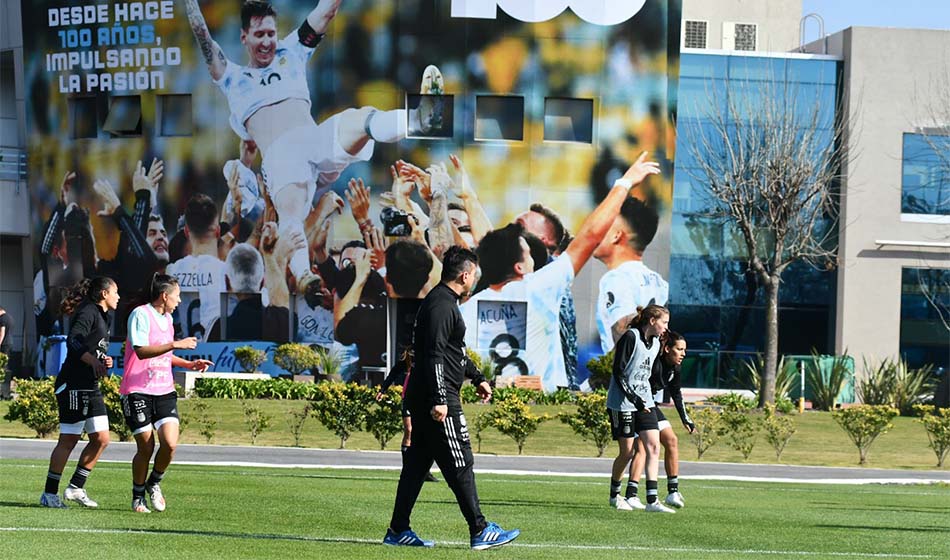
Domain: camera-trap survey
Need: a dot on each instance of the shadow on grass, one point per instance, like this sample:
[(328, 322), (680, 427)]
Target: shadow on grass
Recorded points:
[(888, 528), (886, 508), (523, 503)]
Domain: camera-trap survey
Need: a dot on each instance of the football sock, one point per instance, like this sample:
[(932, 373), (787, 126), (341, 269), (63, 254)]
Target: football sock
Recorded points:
[(79, 477), (138, 491), (632, 488), (387, 126), (154, 479), (651, 491), (52, 482), (614, 488), (672, 484)]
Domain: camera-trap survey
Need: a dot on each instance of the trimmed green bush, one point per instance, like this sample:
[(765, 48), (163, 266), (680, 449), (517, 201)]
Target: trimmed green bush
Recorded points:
[(250, 358), (513, 418), (296, 358), (600, 368), (863, 424), (591, 421), (384, 419), (35, 406), (937, 424), (741, 429), (342, 407)]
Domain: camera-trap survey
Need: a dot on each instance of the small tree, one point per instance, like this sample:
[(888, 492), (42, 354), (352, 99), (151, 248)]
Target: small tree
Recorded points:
[(482, 422), (769, 171), (251, 358), (778, 430), (708, 422), (255, 419), (342, 408), (864, 423), (741, 429), (35, 406), (513, 418), (296, 418), (295, 358), (600, 368), (384, 419), (201, 417), (590, 420), (937, 425)]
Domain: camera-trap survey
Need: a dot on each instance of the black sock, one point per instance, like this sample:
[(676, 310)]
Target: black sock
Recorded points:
[(79, 477), (632, 488), (672, 484), (614, 488), (154, 479), (52, 482), (651, 491), (138, 491)]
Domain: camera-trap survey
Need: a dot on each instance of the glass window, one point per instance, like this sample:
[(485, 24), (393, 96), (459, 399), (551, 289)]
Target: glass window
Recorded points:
[(430, 116), (925, 182), (925, 317), (82, 115), (703, 66), (499, 117), (568, 120), (756, 68), (175, 118), (125, 116), (695, 280)]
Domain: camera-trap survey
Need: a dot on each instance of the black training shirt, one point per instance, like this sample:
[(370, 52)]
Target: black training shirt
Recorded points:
[(88, 332)]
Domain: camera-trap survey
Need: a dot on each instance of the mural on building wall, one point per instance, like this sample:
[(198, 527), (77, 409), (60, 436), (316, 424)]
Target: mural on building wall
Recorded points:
[(300, 165)]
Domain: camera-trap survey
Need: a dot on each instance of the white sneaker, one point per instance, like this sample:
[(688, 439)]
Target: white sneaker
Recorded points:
[(635, 503), (51, 501), (675, 499), (79, 496), (657, 507), (157, 498), (620, 503), (138, 506)]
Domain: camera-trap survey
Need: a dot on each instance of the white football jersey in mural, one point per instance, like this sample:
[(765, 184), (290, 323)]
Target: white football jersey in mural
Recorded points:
[(622, 290), (201, 279), (248, 89), (524, 314)]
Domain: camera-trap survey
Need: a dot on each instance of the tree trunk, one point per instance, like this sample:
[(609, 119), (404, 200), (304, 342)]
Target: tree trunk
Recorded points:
[(767, 385)]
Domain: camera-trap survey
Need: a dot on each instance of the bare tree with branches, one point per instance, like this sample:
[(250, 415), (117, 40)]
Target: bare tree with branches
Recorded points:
[(769, 162)]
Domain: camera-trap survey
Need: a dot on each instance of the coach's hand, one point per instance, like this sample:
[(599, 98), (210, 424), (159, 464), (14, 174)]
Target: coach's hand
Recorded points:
[(483, 391), (439, 412)]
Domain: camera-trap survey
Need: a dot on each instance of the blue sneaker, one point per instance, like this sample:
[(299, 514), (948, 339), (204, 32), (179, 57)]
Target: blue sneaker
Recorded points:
[(493, 535), (406, 538)]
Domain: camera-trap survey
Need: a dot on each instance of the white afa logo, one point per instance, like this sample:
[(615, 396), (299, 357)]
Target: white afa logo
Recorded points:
[(600, 12)]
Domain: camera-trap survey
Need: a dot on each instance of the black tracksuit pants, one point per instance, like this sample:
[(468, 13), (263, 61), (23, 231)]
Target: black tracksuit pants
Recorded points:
[(448, 444)]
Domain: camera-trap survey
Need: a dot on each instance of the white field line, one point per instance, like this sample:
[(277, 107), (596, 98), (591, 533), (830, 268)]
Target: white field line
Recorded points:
[(458, 544), (783, 480)]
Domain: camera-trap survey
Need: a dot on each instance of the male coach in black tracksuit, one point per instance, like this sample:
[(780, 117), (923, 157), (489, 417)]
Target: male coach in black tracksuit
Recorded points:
[(439, 431)]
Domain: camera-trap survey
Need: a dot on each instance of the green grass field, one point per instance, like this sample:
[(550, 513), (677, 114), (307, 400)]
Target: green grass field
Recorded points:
[(818, 441), (235, 513)]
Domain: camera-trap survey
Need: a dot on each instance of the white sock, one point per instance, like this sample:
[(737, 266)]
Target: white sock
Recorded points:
[(387, 126)]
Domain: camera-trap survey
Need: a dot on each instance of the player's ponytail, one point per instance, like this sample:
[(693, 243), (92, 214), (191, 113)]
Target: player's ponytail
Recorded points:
[(86, 289)]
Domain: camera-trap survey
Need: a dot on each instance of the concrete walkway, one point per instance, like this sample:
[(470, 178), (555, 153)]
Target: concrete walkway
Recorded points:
[(287, 457)]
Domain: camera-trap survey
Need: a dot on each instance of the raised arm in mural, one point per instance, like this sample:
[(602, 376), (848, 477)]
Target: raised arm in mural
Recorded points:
[(210, 51), (462, 187)]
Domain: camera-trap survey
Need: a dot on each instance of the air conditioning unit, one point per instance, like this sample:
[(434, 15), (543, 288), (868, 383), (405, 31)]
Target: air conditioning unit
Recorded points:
[(694, 34), (739, 36)]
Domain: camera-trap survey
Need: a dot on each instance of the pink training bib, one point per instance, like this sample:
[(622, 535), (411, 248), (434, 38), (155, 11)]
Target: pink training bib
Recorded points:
[(152, 376)]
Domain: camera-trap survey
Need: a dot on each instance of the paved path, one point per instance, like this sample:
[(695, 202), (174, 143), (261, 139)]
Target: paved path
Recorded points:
[(565, 466)]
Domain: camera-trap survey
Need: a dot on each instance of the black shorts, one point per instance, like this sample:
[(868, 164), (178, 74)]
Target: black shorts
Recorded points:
[(80, 405), (405, 411), (628, 423), (144, 412)]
